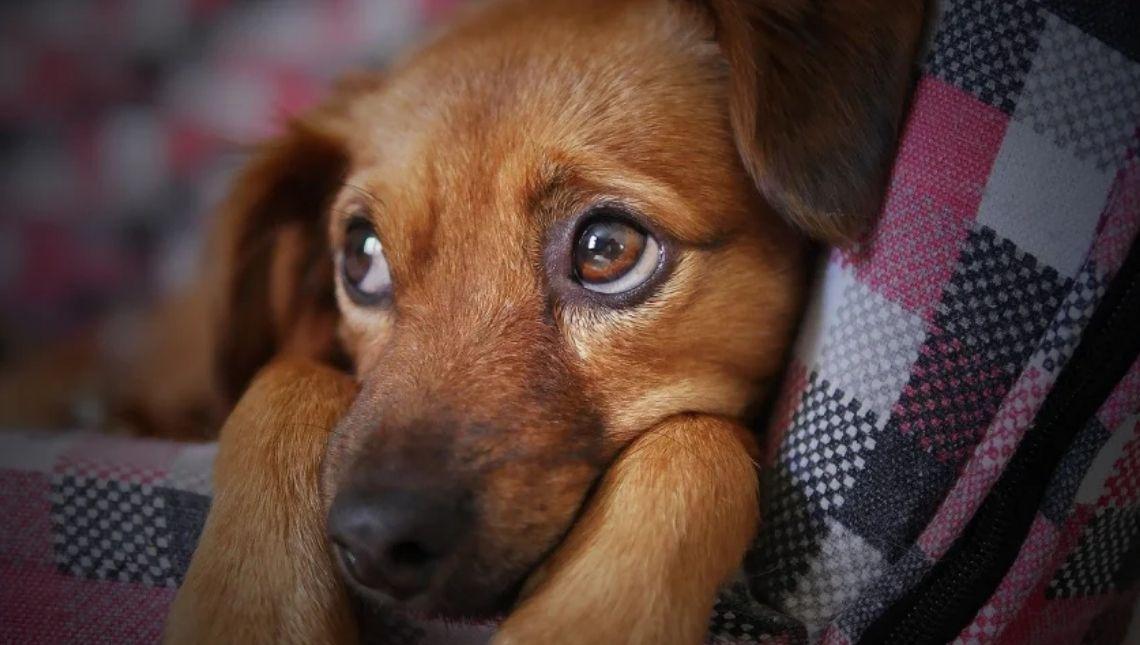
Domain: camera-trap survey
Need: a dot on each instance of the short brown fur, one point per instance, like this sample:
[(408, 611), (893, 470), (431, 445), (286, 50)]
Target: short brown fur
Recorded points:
[(266, 575), (604, 446)]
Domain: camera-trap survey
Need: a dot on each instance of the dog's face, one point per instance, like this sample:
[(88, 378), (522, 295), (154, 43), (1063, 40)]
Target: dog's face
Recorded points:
[(546, 244), (542, 239)]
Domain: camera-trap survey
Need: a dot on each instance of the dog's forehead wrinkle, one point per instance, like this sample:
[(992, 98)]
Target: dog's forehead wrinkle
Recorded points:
[(495, 92)]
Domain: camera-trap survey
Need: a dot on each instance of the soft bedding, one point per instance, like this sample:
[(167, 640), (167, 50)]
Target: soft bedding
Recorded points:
[(923, 371)]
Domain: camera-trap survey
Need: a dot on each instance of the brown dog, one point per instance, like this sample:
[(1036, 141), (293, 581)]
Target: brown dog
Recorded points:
[(562, 249)]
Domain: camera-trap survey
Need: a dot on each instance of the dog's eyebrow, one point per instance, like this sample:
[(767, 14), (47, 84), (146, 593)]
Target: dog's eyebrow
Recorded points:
[(552, 179), (376, 201), (558, 186)]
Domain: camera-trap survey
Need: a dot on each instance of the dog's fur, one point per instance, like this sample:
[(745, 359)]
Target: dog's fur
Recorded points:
[(605, 446)]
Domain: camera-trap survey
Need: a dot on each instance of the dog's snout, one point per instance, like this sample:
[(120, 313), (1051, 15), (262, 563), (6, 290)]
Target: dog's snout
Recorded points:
[(393, 540)]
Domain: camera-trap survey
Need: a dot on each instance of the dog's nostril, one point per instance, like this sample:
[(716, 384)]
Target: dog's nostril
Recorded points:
[(352, 564), (349, 557), (409, 553)]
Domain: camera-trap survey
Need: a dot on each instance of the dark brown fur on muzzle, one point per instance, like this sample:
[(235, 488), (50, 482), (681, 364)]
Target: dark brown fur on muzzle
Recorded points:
[(462, 463)]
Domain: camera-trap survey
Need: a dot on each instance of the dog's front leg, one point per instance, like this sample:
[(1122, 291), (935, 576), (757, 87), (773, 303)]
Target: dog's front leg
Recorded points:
[(668, 525), (262, 572)]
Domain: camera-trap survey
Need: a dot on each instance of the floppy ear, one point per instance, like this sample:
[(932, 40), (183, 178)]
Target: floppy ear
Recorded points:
[(816, 93), (274, 274)]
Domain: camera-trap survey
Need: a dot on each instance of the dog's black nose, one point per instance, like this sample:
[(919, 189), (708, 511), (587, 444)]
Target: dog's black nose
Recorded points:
[(393, 540)]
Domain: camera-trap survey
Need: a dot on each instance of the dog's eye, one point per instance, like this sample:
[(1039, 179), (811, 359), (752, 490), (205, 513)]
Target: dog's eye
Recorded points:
[(613, 256), (363, 266)]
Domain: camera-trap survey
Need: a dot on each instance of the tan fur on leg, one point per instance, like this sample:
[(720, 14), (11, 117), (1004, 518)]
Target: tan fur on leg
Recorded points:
[(262, 572), (669, 524)]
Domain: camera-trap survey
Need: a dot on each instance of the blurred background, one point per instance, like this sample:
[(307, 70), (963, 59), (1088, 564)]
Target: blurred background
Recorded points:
[(121, 120)]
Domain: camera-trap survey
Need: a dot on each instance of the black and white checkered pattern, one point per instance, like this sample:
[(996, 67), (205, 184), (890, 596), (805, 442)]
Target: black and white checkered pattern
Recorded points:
[(999, 301), (738, 618), (789, 538), (1082, 94), (1064, 331), (1098, 565), (869, 348), (827, 442), (112, 530), (986, 47), (845, 565)]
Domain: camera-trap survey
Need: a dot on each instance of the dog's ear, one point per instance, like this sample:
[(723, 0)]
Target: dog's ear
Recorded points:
[(816, 93), (272, 265)]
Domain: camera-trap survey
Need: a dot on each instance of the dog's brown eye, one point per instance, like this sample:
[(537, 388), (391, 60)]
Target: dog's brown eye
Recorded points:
[(363, 266), (612, 256)]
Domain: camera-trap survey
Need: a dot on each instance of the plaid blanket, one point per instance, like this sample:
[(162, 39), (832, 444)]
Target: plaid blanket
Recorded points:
[(97, 534), (926, 355), (929, 350), (121, 120)]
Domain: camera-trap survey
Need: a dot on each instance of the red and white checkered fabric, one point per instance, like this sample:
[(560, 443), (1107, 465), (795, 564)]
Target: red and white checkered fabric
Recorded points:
[(928, 350)]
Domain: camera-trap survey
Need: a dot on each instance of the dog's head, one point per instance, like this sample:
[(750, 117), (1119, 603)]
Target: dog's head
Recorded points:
[(558, 224)]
